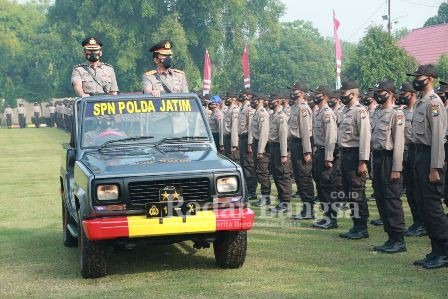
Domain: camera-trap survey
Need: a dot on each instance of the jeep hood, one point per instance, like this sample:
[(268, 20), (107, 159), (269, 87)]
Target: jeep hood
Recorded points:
[(155, 161)]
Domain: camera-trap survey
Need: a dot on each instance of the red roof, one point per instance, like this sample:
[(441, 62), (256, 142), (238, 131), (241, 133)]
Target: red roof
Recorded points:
[(426, 44)]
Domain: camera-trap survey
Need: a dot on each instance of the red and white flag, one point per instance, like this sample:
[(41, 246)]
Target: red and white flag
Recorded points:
[(207, 74), (338, 48), (245, 62)]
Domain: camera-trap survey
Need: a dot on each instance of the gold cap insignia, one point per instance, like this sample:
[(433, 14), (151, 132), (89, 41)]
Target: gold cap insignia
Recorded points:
[(167, 45), (92, 41)]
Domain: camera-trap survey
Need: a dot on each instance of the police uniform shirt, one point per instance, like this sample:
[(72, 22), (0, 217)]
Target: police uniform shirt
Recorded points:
[(174, 80), (287, 110), (354, 130), (408, 113), (301, 125), (278, 131), (244, 117), (259, 129), (372, 113), (104, 73), (21, 110), (52, 109), (224, 108), (216, 123), (231, 124), (36, 109), (338, 111), (47, 112), (429, 126), (388, 134), (8, 111), (325, 130)]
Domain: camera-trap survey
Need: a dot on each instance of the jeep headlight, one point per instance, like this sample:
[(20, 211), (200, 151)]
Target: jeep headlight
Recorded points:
[(227, 184), (107, 192)]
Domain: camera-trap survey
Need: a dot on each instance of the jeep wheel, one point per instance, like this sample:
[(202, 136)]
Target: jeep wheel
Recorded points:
[(92, 256), (230, 249), (69, 240)]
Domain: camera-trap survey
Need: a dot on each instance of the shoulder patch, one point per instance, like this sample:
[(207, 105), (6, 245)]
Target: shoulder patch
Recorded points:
[(400, 118), (304, 112), (435, 110), (433, 96), (178, 71), (151, 72)]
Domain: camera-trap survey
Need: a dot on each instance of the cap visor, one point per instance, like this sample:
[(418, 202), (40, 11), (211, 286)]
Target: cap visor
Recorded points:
[(413, 74), (442, 82)]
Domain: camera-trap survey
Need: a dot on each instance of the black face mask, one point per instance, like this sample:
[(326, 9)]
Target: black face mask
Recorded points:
[(272, 105), (167, 62), (228, 102), (402, 101), (381, 98), (366, 102), (419, 85), (265, 104), (443, 98), (211, 106), (317, 100), (331, 104), (291, 102), (293, 96), (92, 57), (346, 99), (253, 105)]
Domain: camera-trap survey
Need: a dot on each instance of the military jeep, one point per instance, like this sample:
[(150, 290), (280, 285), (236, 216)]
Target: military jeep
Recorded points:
[(140, 169)]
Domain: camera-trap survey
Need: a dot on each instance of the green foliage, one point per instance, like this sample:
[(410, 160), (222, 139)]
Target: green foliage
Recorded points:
[(442, 67), (441, 17), (378, 57)]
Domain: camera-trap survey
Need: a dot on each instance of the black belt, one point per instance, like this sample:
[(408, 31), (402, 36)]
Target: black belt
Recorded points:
[(382, 152), (411, 146), (274, 143), (349, 149), (244, 135), (422, 148), (319, 148), (295, 139)]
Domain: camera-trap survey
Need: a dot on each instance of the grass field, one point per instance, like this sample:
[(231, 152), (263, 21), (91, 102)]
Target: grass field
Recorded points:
[(283, 260)]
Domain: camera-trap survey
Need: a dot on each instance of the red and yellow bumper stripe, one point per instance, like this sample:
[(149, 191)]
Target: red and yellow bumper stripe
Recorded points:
[(141, 226)]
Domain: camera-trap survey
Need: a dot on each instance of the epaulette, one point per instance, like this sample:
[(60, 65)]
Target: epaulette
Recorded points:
[(178, 71), (108, 64), (326, 109), (433, 96), (80, 65), (151, 72)]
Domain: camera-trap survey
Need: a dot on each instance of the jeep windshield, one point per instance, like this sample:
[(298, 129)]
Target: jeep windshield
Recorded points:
[(142, 121)]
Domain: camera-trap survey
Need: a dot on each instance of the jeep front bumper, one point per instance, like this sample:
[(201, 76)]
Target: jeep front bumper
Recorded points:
[(141, 226)]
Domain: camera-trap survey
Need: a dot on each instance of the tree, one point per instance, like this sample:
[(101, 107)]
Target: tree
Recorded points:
[(442, 67), (441, 17), (378, 57), (298, 53)]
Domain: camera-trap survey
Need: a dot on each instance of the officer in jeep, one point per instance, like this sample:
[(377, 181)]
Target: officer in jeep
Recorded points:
[(93, 77), (164, 79)]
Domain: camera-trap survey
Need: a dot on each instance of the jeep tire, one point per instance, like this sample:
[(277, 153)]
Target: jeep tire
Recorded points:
[(230, 249), (69, 240), (92, 256)]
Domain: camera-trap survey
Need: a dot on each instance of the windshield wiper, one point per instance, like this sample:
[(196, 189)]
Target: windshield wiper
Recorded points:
[(184, 138), (124, 140)]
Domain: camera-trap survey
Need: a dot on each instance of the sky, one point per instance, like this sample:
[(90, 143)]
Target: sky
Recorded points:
[(357, 15)]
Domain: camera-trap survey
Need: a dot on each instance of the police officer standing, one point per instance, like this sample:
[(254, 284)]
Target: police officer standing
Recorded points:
[(93, 77), (246, 159), (8, 116), (325, 135), (52, 116), (258, 138), (37, 114), (278, 145), (230, 125), (387, 158), (408, 97), (164, 79), (428, 133), (354, 144), (216, 122), (300, 131), (21, 111)]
